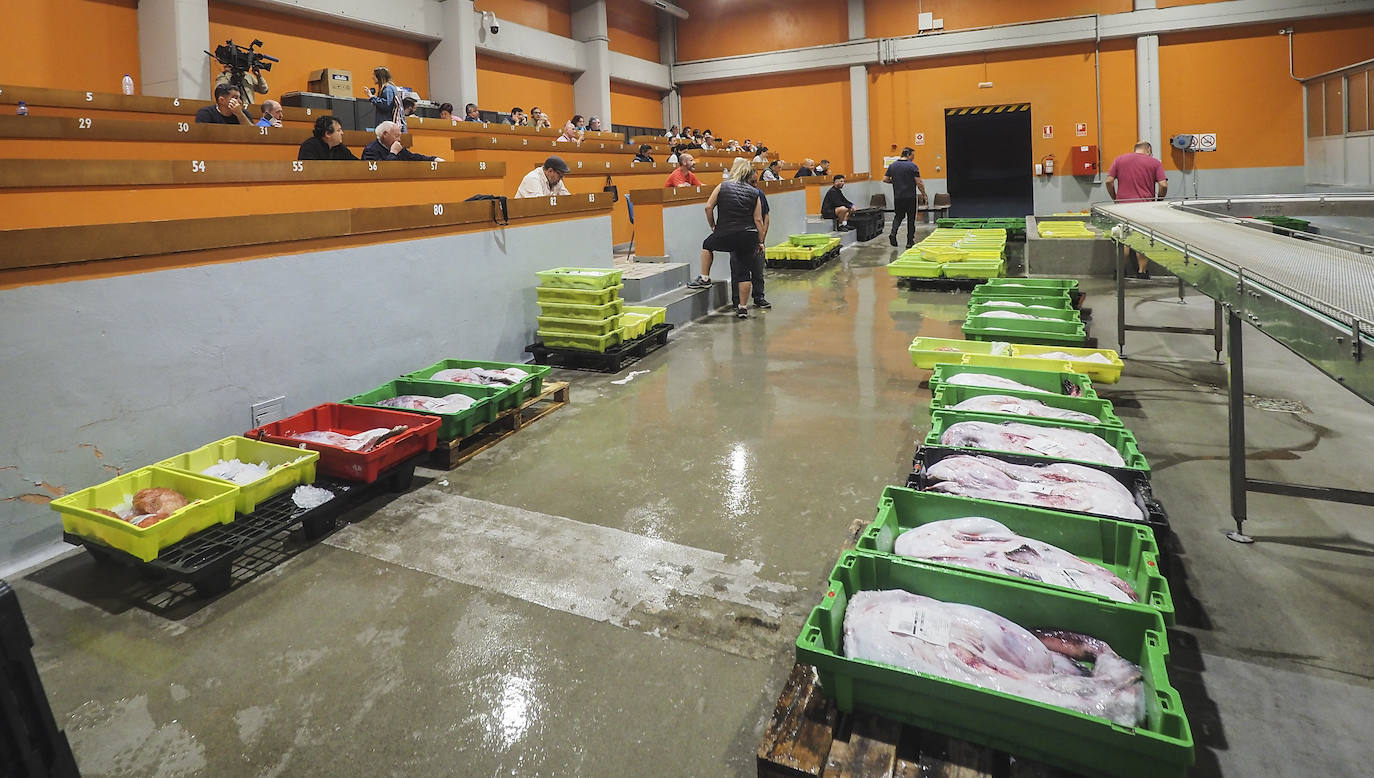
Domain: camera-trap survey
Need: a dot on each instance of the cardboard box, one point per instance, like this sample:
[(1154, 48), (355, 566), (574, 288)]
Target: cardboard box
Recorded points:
[(331, 81)]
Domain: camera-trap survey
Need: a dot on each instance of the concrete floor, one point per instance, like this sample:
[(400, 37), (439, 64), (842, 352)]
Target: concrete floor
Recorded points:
[(615, 590)]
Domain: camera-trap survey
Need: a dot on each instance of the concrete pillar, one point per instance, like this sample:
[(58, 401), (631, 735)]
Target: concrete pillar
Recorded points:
[(592, 87), (453, 62), (173, 36), (1147, 93), (858, 95)]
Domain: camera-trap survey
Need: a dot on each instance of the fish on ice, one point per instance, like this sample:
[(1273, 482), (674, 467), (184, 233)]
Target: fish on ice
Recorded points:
[(1001, 403), (1061, 485), (1017, 438)]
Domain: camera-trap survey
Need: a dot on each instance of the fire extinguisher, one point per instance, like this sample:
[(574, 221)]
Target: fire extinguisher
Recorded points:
[(1048, 162)]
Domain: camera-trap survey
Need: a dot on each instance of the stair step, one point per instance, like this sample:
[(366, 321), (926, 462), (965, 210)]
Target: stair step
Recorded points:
[(686, 305), (815, 224), (644, 280)]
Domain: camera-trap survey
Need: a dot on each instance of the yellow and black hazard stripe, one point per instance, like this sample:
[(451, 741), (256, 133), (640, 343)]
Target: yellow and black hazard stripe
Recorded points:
[(979, 109)]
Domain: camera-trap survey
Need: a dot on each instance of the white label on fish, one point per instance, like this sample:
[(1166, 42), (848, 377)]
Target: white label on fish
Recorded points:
[(931, 626)]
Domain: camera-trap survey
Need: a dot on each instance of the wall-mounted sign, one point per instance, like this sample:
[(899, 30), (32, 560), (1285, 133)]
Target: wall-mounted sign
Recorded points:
[(920, 139), (1047, 131), (1080, 129)]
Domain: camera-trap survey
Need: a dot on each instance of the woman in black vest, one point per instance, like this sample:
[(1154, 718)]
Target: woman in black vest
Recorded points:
[(738, 229)]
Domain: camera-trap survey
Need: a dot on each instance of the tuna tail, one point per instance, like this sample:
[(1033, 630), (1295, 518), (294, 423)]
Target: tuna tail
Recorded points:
[(1074, 645), (1071, 389)]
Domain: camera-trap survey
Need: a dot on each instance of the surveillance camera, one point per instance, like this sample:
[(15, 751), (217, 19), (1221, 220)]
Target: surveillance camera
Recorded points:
[(493, 23)]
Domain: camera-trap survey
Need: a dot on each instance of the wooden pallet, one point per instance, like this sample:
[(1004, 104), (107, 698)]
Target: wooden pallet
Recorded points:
[(809, 737), (452, 453)]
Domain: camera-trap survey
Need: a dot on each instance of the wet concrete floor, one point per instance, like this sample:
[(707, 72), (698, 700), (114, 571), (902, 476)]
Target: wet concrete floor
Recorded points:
[(615, 591)]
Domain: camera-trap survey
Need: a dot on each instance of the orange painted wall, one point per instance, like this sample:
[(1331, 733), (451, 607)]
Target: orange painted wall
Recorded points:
[(71, 44), (304, 45), (636, 105), (502, 84), (632, 26), (719, 28), (1258, 115), (1057, 81), (547, 15), (886, 18), (796, 114)]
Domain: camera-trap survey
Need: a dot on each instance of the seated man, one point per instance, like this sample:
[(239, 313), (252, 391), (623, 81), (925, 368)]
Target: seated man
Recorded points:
[(327, 142), (271, 114), (594, 124), (682, 175), (644, 153), (808, 168), (822, 168), (545, 181), (471, 114), (228, 108), (836, 205), (388, 146), (773, 172), (518, 117)]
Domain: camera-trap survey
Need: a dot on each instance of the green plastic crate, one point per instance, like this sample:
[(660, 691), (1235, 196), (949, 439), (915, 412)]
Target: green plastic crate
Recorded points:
[(212, 502), (656, 315), (1040, 379), (1042, 283), (1128, 550), (290, 467), (579, 326), (982, 298), (1069, 333), (588, 312), (453, 425), (579, 342), (946, 396), (580, 277), (554, 294), (1160, 747), (1119, 438), (507, 397), (913, 268), (1058, 314)]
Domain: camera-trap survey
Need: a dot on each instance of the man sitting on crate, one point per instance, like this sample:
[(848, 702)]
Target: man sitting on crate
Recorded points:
[(836, 206), (388, 146)]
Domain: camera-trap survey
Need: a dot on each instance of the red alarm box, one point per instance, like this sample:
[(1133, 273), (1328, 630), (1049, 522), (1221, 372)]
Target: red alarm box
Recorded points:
[(1083, 161)]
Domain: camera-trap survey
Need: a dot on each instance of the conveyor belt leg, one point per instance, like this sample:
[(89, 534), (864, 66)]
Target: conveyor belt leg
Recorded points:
[(1218, 328), (1121, 257), (1235, 385)]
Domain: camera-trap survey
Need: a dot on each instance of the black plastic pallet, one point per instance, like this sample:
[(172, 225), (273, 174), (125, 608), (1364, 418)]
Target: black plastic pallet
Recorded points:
[(30, 742), (612, 360), (206, 560), (802, 264), (939, 284)]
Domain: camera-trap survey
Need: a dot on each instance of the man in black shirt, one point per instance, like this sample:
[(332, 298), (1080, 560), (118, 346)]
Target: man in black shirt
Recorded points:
[(836, 205), (807, 168), (905, 178), (228, 108), (327, 142), (388, 146)]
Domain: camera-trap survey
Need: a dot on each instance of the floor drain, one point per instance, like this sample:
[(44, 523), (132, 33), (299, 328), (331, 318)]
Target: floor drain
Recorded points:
[(1275, 404)]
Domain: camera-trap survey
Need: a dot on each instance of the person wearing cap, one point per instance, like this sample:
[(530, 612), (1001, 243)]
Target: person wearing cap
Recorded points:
[(545, 180)]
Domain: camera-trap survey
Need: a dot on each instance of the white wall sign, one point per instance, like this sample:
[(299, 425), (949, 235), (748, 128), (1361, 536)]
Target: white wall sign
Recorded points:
[(1080, 129), (920, 139), (1047, 131)]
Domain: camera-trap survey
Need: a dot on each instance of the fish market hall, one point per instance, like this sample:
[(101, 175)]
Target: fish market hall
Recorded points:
[(681, 388)]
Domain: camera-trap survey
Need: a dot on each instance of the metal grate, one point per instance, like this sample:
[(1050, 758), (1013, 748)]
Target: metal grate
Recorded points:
[(1333, 281)]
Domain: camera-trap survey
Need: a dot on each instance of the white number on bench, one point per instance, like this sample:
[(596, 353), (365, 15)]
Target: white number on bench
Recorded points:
[(434, 164), (372, 166), (262, 130), (297, 167), (438, 209), (197, 166), (183, 127), (553, 200), (591, 198), (83, 123), (89, 97), (481, 166), (176, 102)]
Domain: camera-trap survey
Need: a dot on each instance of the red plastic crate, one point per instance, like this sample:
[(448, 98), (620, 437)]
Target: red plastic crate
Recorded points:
[(422, 436)]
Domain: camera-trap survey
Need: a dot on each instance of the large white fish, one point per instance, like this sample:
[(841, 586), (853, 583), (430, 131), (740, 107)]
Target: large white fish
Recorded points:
[(991, 382), (1018, 438), (1001, 403), (984, 544), (1061, 485), (975, 646)]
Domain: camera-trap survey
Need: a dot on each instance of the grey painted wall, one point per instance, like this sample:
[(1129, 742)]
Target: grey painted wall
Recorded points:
[(684, 228), (143, 367)]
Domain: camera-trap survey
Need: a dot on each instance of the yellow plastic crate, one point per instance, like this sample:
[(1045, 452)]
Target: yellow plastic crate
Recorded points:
[(942, 254), (914, 268), (579, 342), (633, 325), (212, 502), (1022, 363), (929, 352), (1102, 372), (656, 315), (289, 467)]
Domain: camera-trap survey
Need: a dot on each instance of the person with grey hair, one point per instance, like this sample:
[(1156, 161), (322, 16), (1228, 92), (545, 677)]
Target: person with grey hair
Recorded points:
[(388, 146), (271, 114)]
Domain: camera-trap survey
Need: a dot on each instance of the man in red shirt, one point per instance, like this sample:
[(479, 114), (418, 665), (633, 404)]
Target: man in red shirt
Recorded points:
[(1133, 178), (683, 175)]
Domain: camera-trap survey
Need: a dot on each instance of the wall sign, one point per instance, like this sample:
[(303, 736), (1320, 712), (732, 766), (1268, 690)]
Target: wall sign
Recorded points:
[(1080, 129), (1047, 131), (920, 139)]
